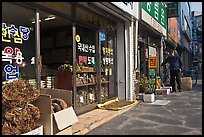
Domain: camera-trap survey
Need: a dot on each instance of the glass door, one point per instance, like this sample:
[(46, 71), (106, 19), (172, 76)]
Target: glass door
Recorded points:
[(107, 67), (86, 85)]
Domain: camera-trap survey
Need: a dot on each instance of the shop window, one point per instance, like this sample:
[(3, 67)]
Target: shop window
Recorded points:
[(18, 43), (86, 75), (107, 67), (56, 50)]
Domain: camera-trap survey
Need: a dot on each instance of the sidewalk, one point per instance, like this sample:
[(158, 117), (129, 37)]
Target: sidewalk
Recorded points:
[(93, 119), (179, 109), (179, 113)]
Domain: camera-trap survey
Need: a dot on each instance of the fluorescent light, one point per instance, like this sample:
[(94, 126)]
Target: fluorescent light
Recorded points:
[(50, 18), (34, 21)]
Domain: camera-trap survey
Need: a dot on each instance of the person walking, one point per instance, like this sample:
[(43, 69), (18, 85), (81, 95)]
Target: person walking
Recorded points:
[(176, 67)]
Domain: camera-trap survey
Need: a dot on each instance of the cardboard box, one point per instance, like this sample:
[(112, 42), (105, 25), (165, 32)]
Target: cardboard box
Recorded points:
[(64, 119), (43, 102), (55, 122), (162, 91), (186, 84), (37, 131), (168, 87), (67, 131)]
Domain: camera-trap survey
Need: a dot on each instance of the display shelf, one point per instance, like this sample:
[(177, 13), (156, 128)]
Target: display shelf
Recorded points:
[(105, 82), (88, 84), (85, 71), (86, 88)]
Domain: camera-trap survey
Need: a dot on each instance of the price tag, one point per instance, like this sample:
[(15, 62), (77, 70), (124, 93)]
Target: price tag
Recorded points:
[(91, 96), (81, 99)]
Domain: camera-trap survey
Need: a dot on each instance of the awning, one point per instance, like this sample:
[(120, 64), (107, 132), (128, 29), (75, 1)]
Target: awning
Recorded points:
[(170, 44)]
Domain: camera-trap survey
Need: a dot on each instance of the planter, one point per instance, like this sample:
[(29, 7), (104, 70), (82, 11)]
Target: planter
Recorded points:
[(163, 91), (149, 97), (139, 96), (168, 87)]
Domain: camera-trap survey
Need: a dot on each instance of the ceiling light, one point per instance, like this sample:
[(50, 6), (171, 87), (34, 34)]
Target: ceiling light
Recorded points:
[(50, 18)]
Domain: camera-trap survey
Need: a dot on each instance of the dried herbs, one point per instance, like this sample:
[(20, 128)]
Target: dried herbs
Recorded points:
[(18, 93), (18, 114), (118, 104)]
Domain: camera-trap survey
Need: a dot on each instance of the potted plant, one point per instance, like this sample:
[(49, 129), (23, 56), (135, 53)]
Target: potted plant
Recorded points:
[(148, 94), (143, 84)]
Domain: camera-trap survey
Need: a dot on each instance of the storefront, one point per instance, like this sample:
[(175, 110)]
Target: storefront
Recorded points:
[(71, 46), (152, 28)]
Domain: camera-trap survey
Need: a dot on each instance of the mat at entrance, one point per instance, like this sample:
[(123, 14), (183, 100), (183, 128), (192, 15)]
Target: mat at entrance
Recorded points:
[(160, 102)]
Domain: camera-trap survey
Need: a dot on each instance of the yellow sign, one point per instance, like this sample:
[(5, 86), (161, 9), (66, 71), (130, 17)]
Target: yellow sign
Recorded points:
[(77, 38), (152, 62)]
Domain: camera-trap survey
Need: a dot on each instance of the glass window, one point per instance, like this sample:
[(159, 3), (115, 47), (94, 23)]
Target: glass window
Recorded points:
[(85, 66), (107, 66), (18, 43), (56, 50)]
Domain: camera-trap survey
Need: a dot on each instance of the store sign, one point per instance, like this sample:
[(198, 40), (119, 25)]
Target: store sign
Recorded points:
[(12, 35), (194, 30), (152, 80), (95, 19), (172, 9), (173, 29), (62, 7), (84, 60), (152, 62), (107, 58), (102, 36), (179, 34), (129, 7), (85, 48), (152, 51), (154, 14)]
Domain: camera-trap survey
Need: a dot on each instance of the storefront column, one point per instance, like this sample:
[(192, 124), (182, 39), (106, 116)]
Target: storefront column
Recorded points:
[(37, 46), (127, 56), (161, 56), (132, 44), (135, 69), (121, 61), (136, 44), (74, 65)]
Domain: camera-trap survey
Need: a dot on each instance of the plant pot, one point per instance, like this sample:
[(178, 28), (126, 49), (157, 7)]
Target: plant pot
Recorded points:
[(139, 96), (149, 97)]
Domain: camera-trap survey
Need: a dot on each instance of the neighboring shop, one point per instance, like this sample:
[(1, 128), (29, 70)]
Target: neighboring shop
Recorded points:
[(172, 41), (131, 10), (74, 46), (152, 28)]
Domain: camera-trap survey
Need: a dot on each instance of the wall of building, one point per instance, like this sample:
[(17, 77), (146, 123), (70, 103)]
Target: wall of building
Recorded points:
[(185, 23)]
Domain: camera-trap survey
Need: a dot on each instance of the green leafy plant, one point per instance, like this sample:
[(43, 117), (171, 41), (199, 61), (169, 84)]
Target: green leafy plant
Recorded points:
[(144, 85), (65, 67)]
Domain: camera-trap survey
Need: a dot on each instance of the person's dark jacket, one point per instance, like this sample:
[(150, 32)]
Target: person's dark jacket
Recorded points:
[(174, 61)]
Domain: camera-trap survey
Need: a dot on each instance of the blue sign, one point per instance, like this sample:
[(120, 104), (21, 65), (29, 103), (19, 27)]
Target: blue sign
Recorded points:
[(102, 36)]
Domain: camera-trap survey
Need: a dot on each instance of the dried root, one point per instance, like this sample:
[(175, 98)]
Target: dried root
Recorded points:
[(18, 115)]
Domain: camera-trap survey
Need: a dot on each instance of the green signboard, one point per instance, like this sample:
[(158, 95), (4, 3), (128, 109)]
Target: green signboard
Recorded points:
[(156, 10), (152, 80)]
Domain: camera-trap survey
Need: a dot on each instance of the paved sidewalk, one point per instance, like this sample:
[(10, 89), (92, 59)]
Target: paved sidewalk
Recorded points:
[(95, 118), (181, 116)]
